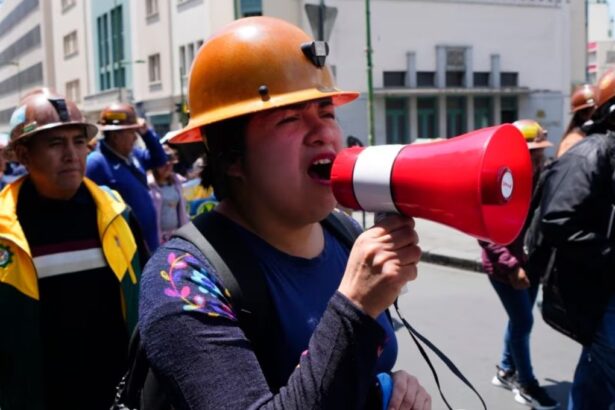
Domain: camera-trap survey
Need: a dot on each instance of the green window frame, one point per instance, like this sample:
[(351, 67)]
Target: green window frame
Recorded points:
[(397, 131), (509, 109), (483, 112), (110, 30), (456, 116), (427, 117)]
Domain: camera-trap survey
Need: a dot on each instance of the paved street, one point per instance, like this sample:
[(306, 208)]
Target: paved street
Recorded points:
[(459, 312)]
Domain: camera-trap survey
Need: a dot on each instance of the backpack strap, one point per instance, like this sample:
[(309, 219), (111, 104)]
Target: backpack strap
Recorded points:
[(343, 227), (237, 268)]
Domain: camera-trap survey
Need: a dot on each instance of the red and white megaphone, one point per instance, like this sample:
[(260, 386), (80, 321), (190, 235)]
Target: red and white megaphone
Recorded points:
[(479, 183)]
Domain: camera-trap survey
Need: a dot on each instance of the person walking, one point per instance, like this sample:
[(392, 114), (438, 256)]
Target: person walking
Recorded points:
[(118, 164), (70, 263), (582, 105), (268, 118), (506, 269), (576, 219), (167, 194)]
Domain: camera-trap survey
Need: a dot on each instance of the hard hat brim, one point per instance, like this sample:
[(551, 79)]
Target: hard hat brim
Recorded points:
[(191, 133), (541, 144), (582, 107), (118, 127), (91, 130)]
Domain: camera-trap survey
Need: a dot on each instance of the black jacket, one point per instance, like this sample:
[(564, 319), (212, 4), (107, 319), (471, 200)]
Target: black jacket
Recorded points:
[(576, 212)]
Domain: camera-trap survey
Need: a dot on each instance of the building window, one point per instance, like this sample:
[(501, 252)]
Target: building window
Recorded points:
[(509, 109), (110, 29), (67, 4), (509, 79), (483, 112), (425, 79), (70, 44), (427, 114), (154, 68), (189, 55), (481, 79), (73, 91), (394, 78), (151, 8), (455, 78), (182, 60), (455, 116), (455, 59), (397, 121), (251, 8)]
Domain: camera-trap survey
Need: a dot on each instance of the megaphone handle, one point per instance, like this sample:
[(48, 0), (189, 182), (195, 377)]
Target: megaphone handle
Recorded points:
[(378, 216)]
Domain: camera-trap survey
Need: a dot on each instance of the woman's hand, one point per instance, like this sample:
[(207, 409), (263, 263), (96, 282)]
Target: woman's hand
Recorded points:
[(519, 279), (408, 394), (381, 261)]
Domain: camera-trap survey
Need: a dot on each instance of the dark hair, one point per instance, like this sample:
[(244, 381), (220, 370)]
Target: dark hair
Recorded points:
[(353, 141), (225, 145), (602, 119)]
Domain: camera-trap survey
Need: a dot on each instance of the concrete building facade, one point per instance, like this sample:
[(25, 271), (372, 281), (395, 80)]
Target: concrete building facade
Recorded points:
[(111, 59), (26, 52), (193, 21), (444, 67), (440, 67), (72, 48), (600, 45)]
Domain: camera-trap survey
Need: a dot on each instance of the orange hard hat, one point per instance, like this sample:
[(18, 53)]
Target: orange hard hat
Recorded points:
[(535, 136), (256, 64), (43, 111), (118, 116), (583, 97), (605, 88)]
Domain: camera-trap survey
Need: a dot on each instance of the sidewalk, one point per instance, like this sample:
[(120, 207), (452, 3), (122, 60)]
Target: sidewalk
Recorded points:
[(441, 244)]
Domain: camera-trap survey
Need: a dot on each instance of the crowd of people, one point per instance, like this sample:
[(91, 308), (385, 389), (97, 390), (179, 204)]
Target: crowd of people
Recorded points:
[(571, 217), (88, 252)]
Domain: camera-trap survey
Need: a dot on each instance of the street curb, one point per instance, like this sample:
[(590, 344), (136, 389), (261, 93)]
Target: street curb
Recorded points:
[(439, 258)]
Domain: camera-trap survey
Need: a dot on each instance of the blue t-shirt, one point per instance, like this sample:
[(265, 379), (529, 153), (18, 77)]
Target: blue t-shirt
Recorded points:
[(301, 289), (192, 335)]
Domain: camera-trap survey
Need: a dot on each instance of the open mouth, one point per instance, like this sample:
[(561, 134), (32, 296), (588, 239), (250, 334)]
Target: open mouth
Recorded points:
[(320, 169)]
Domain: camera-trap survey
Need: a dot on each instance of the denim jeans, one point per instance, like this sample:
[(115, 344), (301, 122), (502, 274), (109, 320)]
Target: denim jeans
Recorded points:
[(593, 387), (518, 305)]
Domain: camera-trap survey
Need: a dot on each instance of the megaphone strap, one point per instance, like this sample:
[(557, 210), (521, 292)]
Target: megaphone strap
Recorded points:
[(416, 335)]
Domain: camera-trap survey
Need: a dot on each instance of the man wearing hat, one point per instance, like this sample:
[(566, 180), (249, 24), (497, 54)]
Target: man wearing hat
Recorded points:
[(517, 288), (578, 221), (69, 267), (117, 164)]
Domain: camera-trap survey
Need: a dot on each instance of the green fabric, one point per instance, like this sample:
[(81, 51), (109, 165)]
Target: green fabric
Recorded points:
[(21, 385)]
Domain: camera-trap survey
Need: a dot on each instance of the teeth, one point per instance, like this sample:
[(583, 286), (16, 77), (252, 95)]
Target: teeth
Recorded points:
[(323, 161)]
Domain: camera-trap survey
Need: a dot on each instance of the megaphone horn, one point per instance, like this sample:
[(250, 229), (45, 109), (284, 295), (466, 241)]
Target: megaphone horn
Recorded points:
[(479, 183)]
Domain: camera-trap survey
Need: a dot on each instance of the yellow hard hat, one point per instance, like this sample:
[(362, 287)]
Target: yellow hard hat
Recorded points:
[(535, 136)]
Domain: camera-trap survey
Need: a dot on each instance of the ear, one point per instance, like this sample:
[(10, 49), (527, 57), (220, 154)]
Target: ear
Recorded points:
[(235, 168), (22, 154)]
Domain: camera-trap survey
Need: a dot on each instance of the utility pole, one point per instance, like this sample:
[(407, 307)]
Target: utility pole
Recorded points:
[(370, 86), (321, 21)]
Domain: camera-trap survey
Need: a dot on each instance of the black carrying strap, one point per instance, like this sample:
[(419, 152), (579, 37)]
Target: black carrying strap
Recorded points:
[(416, 335), (347, 231), (217, 239)]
